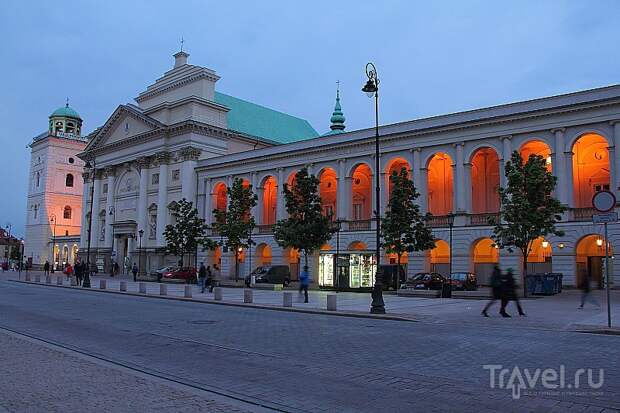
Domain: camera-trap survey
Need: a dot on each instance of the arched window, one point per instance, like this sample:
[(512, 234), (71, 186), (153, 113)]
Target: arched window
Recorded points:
[(38, 179), (67, 212), (69, 180)]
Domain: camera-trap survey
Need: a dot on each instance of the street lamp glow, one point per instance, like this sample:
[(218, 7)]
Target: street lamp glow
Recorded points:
[(599, 242), (545, 244)]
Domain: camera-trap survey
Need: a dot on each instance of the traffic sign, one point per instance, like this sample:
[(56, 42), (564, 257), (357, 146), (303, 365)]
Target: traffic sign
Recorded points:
[(604, 201), (605, 218)]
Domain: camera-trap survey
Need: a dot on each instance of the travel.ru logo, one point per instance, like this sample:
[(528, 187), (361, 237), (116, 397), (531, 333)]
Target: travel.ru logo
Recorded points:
[(518, 380)]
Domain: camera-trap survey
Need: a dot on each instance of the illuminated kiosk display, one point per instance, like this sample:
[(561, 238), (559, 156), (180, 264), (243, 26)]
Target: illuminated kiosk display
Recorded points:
[(356, 270)]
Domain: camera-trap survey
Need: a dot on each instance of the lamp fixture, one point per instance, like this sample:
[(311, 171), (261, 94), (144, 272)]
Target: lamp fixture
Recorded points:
[(545, 244), (599, 242)]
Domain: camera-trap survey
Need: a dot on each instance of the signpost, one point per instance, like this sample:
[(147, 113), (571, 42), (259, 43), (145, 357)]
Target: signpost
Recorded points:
[(605, 202)]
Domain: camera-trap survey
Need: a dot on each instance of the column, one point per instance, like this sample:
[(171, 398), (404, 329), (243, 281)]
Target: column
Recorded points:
[(189, 156), (568, 167), (559, 166), (468, 188), (208, 213), (85, 211), (506, 153), (254, 212), (415, 166), (258, 209), (385, 192), (423, 189), (348, 197), (612, 170), (460, 179), (615, 180), (342, 201), (310, 167), (109, 172), (143, 165), (94, 233), (162, 197), (280, 204)]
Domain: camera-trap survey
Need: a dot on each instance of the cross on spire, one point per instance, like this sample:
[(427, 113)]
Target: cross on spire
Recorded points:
[(67, 104), (338, 89), (182, 41)]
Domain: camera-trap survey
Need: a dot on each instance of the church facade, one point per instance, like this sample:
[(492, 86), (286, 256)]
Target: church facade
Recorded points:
[(184, 139)]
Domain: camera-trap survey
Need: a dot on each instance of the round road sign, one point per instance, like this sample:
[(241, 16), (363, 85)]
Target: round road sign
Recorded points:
[(604, 201)]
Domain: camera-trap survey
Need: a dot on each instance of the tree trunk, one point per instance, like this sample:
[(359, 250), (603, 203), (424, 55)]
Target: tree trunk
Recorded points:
[(524, 274), (236, 264), (397, 273)]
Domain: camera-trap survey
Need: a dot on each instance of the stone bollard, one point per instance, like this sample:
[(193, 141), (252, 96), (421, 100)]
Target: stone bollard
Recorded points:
[(142, 288), (287, 299), (188, 291), (218, 293), (59, 281), (37, 278), (73, 282), (102, 284), (331, 302), (123, 286), (28, 279), (48, 279), (248, 297), (163, 289)]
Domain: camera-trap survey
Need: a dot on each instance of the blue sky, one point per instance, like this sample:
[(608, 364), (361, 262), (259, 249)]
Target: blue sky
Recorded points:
[(432, 58)]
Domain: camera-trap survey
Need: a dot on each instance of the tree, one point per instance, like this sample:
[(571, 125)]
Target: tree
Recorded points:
[(527, 208), (188, 232), (236, 223), (404, 228), (306, 228)]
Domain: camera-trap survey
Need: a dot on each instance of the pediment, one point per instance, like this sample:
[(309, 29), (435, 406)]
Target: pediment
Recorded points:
[(124, 123)]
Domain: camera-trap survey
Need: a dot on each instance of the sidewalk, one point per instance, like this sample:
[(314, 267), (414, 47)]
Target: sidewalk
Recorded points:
[(559, 312)]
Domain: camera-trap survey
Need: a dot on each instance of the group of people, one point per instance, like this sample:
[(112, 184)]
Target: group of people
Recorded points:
[(206, 278), (504, 289)]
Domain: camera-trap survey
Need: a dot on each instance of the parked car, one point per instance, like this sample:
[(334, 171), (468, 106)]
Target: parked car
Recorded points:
[(185, 273), (466, 281), (270, 274), (160, 272), (426, 281), (390, 278)]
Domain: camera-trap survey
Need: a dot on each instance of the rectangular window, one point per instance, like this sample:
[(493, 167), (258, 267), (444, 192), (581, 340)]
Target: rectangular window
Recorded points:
[(176, 174), (105, 188), (357, 212), (154, 179)]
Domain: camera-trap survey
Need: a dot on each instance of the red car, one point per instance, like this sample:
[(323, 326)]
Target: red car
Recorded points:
[(185, 273)]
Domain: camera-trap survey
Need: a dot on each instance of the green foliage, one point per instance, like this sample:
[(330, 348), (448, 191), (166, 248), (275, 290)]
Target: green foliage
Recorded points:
[(404, 228), (528, 210), (188, 231), (16, 252), (306, 228), (236, 224)]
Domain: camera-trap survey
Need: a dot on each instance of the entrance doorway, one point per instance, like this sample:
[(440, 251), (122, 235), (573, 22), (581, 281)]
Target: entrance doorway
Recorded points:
[(589, 257)]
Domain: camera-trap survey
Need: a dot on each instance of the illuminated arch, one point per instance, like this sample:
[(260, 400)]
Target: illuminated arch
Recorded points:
[(395, 165), (357, 246), (361, 193), (269, 200), (440, 184), (536, 147), (263, 254), (328, 190), (591, 169), (485, 181), (589, 253)]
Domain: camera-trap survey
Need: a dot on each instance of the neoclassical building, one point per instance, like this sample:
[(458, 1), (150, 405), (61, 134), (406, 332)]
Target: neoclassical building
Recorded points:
[(54, 204), (457, 163), (184, 139), (144, 157)]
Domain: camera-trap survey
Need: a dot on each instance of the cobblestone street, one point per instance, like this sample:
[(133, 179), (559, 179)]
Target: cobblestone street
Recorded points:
[(291, 361)]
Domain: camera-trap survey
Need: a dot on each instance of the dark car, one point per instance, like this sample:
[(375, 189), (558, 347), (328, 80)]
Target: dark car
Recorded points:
[(390, 277), (160, 272), (426, 281), (466, 281), (270, 274), (185, 273)]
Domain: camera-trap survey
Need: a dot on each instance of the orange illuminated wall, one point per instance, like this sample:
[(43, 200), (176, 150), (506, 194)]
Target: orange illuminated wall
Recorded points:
[(441, 253), (590, 168), (396, 166), (270, 198), (361, 206), (485, 181), (440, 184), (536, 148), (220, 197), (485, 252), (328, 189)]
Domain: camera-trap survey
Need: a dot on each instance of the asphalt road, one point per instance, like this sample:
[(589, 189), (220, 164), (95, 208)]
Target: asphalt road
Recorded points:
[(308, 362)]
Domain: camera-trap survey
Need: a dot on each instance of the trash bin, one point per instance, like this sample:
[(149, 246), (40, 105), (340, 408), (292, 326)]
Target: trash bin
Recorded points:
[(534, 283), (552, 283)]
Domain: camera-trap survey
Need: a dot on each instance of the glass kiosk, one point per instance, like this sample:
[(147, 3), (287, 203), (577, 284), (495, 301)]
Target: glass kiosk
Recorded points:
[(355, 270)]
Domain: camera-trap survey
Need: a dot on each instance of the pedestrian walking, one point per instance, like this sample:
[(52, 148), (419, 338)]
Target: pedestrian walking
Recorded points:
[(202, 277), (46, 268), (586, 291), (210, 278), (69, 271), (79, 272), (116, 268), (134, 271), (304, 281), (496, 293), (112, 263), (509, 293)]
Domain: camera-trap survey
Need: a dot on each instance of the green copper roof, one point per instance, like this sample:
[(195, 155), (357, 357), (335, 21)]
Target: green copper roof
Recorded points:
[(256, 120), (66, 111), (337, 118)]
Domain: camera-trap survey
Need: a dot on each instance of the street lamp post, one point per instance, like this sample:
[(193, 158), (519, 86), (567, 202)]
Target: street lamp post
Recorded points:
[(53, 220), (450, 225), (371, 88), (21, 259), (338, 223), (86, 282), (250, 241), (112, 213), (8, 244), (140, 233)]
